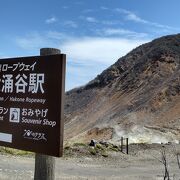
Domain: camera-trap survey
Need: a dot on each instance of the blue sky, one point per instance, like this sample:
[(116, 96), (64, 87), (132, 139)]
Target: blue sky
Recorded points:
[(93, 34)]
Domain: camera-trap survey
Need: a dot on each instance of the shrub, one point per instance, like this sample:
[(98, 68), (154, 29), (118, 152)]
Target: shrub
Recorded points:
[(79, 144), (104, 153), (100, 147), (92, 151)]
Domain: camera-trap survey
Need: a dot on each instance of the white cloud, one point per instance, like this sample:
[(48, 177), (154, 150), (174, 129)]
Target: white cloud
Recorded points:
[(98, 50), (56, 35), (113, 22), (51, 20), (34, 41), (134, 17), (91, 19), (131, 16), (71, 24), (104, 8), (122, 32), (86, 50)]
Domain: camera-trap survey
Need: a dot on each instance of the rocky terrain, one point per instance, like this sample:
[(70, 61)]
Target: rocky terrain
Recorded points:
[(81, 163), (137, 97)]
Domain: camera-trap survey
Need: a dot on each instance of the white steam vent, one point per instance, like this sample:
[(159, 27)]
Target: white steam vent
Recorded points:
[(140, 134)]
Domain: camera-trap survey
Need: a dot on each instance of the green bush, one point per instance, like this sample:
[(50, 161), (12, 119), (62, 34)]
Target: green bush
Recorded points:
[(79, 144), (92, 151), (104, 153), (12, 151), (100, 147), (114, 149)]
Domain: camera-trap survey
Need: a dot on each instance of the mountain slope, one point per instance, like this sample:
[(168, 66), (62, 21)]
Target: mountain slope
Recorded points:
[(138, 97)]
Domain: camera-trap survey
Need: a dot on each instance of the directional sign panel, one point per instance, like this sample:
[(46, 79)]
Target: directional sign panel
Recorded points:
[(32, 102)]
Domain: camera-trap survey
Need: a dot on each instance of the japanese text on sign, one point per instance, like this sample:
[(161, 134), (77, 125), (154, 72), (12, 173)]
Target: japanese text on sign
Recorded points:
[(21, 83)]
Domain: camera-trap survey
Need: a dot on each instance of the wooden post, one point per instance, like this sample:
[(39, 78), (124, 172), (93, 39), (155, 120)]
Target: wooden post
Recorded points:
[(121, 144), (127, 150), (45, 165)]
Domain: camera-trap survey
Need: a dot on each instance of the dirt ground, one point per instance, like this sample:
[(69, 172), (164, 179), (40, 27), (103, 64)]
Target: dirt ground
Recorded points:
[(142, 163)]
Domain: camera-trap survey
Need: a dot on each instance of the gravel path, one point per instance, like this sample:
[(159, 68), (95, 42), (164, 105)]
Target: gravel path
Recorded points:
[(139, 166)]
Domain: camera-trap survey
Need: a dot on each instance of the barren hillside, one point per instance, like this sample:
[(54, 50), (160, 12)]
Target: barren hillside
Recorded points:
[(137, 97)]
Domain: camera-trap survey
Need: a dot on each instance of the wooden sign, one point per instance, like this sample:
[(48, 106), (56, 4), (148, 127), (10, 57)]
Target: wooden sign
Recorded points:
[(32, 102)]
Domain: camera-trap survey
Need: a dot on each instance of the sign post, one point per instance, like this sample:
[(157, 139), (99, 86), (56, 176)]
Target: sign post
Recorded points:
[(45, 165), (31, 107)]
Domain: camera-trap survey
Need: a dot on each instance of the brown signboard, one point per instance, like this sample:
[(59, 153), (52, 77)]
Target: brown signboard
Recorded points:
[(31, 103)]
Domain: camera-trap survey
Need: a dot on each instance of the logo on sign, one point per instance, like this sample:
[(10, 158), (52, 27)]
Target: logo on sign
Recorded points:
[(34, 135), (14, 115)]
